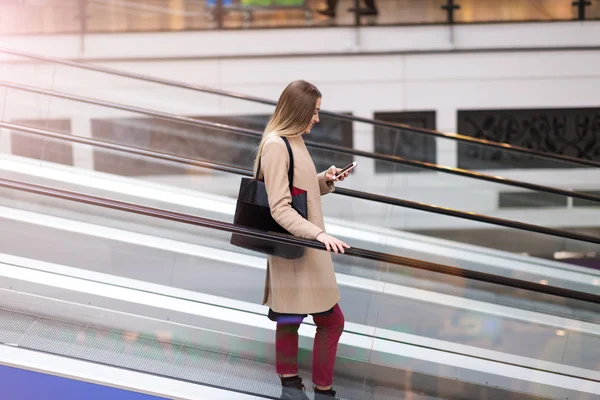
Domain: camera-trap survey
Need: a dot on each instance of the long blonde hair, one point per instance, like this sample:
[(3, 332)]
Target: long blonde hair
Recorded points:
[(293, 113)]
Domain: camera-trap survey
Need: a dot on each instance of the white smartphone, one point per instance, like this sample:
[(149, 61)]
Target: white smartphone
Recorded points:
[(347, 168)]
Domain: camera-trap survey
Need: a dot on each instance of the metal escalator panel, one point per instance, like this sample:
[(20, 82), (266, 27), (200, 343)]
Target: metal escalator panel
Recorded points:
[(155, 347), (108, 359), (167, 280), (200, 189), (28, 374), (238, 362), (182, 370), (500, 191)]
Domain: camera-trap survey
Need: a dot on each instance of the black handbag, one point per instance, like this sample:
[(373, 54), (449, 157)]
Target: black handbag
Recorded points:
[(253, 211)]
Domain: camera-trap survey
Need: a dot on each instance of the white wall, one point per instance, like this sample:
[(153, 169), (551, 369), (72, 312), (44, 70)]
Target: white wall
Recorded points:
[(311, 41), (363, 83)]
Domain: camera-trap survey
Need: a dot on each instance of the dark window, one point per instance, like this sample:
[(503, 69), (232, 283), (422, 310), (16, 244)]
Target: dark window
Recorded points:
[(207, 144), (586, 203), (571, 132), (531, 200), (150, 134), (39, 148), (404, 143)]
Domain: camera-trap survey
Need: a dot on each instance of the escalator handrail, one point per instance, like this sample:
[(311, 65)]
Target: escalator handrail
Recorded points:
[(288, 239), (329, 147), (347, 192), (244, 97)]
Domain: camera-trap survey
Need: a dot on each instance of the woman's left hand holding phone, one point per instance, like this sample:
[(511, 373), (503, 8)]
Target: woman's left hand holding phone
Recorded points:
[(332, 172)]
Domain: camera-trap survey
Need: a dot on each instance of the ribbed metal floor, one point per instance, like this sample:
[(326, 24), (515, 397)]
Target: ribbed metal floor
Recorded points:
[(128, 350)]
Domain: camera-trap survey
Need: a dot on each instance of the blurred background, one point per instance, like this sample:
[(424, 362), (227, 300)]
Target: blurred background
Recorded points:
[(476, 128), (102, 16)]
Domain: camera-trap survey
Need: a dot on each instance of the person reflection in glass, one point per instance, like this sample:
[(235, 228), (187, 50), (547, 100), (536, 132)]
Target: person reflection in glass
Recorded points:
[(370, 8)]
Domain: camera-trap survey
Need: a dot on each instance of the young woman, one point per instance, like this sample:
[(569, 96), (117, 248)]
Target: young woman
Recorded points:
[(296, 288)]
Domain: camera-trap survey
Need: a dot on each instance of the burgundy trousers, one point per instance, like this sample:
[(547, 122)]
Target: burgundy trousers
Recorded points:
[(329, 330)]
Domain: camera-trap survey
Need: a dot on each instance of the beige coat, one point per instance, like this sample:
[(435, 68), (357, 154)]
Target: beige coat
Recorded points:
[(306, 285)]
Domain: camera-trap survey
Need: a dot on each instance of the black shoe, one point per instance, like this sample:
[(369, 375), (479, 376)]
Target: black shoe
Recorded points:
[(325, 394), (293, 389), (364, 11), (327, 12)]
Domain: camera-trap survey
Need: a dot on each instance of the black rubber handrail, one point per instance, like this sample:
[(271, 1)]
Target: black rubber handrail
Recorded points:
[(329, 147), (347, 192), (288, 239), (385, 124)]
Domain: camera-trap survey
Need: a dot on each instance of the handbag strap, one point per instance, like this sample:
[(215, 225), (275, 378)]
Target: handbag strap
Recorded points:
[(290, 168)]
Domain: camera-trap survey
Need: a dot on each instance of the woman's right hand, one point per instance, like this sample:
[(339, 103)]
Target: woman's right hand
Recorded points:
[(332, 243)]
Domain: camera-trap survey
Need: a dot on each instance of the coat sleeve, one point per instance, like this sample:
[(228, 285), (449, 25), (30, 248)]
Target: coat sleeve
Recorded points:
[(275, 161), (326, 187)]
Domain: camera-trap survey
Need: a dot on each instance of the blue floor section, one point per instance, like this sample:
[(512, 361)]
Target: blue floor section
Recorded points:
[(19, 384)]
